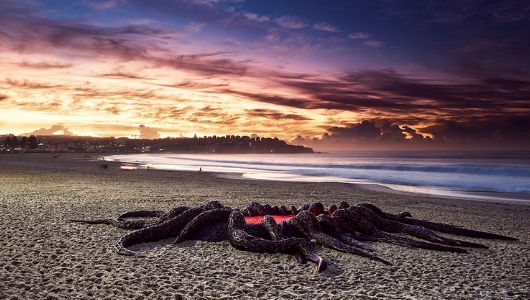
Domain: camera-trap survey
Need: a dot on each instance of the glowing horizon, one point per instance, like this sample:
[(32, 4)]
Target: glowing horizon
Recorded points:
[(357, 74)]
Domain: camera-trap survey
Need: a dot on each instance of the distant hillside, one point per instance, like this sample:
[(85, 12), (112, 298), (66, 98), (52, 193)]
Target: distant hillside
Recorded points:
[(206, 144)]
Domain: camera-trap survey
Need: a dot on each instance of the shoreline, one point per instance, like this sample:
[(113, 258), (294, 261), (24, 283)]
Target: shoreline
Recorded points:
[(257, 174), (47, 257)]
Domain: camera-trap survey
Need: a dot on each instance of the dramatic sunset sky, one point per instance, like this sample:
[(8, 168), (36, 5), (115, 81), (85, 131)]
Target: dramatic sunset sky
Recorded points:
[(355, 73)]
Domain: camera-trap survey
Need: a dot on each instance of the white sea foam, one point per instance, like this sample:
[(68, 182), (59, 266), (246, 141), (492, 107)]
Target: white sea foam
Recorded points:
[(442, 173)]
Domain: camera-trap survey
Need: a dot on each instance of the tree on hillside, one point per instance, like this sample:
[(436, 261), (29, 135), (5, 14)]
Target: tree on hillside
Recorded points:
[(32, 142), (14, 142), (24, 142)]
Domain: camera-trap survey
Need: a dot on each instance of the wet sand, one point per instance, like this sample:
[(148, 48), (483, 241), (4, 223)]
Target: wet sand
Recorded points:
[(43, 256)]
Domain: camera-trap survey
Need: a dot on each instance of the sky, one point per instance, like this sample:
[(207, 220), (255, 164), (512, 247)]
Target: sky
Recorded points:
[(404, 74)]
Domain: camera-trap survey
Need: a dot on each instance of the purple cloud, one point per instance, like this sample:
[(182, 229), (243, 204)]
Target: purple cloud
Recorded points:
[(375, 44), (359, 35), (325, 27), (291, 22)]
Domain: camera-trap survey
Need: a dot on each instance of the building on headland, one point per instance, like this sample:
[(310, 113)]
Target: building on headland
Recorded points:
[(206, 144)]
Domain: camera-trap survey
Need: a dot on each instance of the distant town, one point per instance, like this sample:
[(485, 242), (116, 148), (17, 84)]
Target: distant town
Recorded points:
[(85, 144)]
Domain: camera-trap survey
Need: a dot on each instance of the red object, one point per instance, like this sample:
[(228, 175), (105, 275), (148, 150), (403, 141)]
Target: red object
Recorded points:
[(278, 219)]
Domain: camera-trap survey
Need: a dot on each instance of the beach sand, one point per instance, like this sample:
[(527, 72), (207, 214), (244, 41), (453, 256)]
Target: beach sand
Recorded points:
[(43, 256)]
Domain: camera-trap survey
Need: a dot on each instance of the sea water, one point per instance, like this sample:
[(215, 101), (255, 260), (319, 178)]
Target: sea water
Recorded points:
[(476, 174)]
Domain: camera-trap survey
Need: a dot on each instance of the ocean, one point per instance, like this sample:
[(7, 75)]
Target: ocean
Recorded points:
[(499, 175)]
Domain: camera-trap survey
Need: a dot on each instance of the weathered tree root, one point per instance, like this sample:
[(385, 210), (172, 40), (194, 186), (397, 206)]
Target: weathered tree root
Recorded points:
[(343, 228)]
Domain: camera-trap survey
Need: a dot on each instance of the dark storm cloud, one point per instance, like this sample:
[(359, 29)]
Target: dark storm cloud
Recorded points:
[(381, 90), (386, 91), (364, 130), (475, 110), (513, 128), (510, 129), (391, 131), (271, 98), (473, 55), (485, 93), (460, 132), (413, 133), (510, 132), (479, 94)]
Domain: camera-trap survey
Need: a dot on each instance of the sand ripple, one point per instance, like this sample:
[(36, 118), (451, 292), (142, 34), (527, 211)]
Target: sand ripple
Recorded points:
[(45, 257)]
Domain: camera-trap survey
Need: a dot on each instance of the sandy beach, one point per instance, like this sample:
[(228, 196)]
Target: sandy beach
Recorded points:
[(43, 256)]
